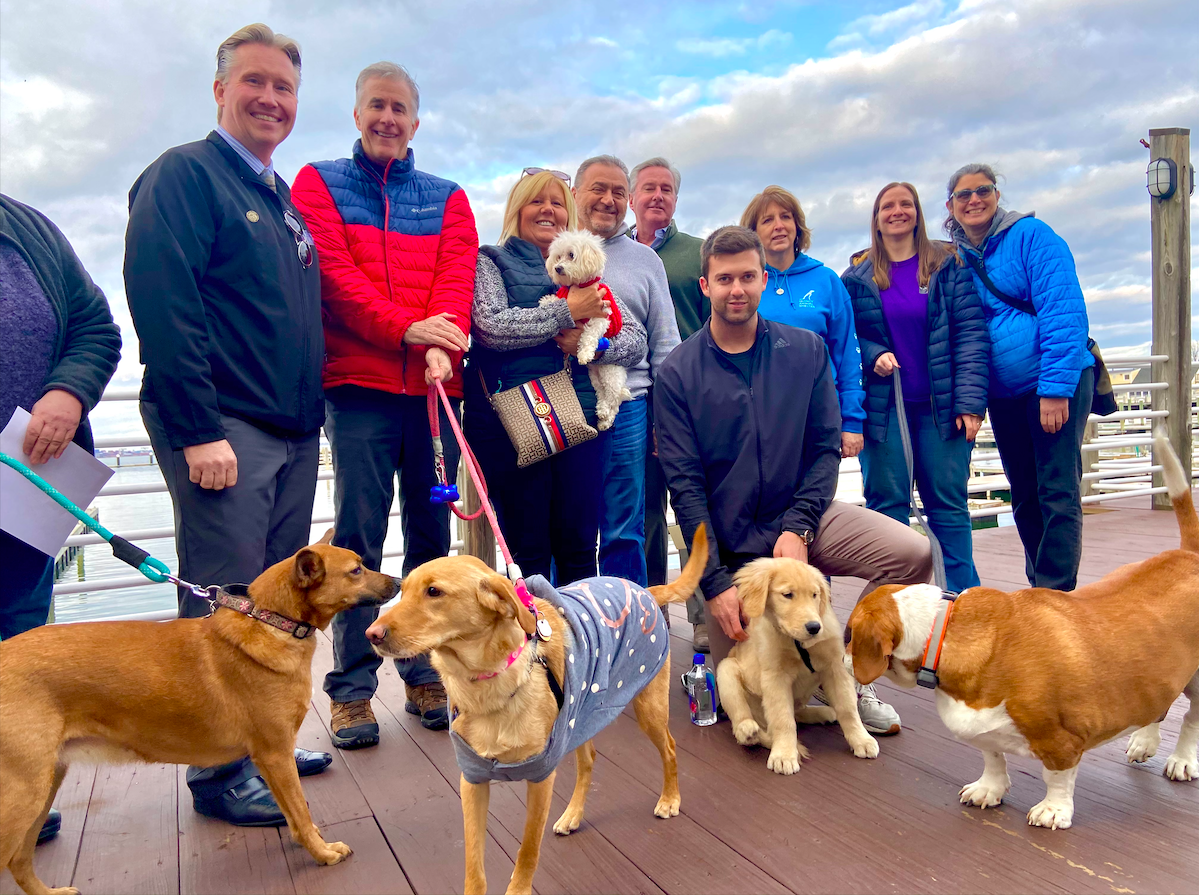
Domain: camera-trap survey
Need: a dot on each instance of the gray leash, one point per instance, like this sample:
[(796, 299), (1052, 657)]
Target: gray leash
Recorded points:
[(906, 437)]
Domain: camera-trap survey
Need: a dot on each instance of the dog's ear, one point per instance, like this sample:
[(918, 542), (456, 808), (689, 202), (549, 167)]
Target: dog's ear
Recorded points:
[(753, 586), (499, 595), (309, 569), (873, 633), (328, 537)]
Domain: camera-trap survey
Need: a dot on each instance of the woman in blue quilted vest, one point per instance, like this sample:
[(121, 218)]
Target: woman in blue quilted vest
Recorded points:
[(1042, 376), (919, 318), (549, 510)]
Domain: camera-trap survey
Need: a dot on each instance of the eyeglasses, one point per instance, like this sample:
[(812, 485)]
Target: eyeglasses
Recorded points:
[(297, 230), (982, 192), (561, 175)]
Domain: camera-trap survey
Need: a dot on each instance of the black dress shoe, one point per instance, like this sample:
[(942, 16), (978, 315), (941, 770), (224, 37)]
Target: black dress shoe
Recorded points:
[(248, 804), (309, 763), (51, 827)]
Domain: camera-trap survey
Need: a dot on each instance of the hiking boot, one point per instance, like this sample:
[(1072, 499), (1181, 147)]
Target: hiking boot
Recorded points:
[(354, 724), (699, 638), (877, 717), (429, 701)]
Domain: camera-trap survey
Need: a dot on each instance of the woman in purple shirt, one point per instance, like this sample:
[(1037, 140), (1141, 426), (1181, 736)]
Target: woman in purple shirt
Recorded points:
[(917, 313)]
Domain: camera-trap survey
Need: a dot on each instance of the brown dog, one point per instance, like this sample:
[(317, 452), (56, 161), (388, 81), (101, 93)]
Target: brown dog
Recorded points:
[(471, 622), (200, 691), (1049, 674), (765, 683)]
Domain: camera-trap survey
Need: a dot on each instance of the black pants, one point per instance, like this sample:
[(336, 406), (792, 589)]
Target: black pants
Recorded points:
[(550, 511), (374, 436), (1045, 474), (232, 536)]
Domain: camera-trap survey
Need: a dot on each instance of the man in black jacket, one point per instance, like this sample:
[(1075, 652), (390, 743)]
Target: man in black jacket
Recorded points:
[(749, 435), (223, 285)]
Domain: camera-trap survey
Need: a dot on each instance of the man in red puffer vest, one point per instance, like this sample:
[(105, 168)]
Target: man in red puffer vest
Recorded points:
[(397, 252)]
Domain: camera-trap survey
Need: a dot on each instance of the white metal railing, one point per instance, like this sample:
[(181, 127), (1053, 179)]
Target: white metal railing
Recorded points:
[(1110, 478)]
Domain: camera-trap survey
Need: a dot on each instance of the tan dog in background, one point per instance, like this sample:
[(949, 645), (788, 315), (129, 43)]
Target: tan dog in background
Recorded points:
[(1048, 674), (195, 691), (765, 685), (469, 619)]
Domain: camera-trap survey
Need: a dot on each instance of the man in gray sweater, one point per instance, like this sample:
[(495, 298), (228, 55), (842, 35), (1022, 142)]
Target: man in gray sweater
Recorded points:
[(635, 274)]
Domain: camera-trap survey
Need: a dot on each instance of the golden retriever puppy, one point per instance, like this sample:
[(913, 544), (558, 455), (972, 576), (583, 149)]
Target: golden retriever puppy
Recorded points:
[(765, 683)]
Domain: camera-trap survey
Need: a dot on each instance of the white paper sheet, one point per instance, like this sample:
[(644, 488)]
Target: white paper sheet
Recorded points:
[(27, 512)]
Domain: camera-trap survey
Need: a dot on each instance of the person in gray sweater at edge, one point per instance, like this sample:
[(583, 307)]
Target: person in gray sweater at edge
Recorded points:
[(635, 275), (749, 435)]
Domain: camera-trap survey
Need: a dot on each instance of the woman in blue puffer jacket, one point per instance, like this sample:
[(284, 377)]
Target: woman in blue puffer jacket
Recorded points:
[(800, 291), (919, 317), (1042, 375)]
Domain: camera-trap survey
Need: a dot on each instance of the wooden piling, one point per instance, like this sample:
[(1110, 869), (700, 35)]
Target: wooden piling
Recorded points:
[(1171, 258)]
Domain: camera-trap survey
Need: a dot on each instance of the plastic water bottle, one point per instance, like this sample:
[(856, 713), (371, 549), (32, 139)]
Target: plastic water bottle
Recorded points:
[(700, 683)]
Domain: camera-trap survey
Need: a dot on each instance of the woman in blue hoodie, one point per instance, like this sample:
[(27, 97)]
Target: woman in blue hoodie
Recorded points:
[(800, 291), (1042, 375)]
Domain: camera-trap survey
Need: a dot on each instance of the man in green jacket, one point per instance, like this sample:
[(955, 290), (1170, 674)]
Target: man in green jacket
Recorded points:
[(654, 189)]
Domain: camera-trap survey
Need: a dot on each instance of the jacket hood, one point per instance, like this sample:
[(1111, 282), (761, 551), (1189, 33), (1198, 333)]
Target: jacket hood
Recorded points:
[(1004, 220), (801, 264), (860, 267)]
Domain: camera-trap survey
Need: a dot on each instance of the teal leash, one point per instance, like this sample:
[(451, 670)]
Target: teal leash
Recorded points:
[(154, 569)]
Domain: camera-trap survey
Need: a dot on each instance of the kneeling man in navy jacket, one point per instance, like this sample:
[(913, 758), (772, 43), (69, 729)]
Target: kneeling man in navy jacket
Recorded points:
[(749, 435)]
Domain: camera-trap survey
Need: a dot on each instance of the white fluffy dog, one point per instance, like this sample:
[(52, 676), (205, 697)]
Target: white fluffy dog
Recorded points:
[(577, 258)]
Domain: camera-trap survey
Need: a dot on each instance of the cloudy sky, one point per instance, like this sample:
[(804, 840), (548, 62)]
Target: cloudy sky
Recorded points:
[(829, 99)]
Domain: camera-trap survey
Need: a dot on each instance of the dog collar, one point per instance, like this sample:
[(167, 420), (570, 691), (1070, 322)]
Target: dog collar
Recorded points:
[(555, 687), (927, 675), (512, 657), (237, 597)]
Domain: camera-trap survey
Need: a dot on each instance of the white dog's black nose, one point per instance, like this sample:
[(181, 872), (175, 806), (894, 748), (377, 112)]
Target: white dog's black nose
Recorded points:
[(813, 628), (559, 270)]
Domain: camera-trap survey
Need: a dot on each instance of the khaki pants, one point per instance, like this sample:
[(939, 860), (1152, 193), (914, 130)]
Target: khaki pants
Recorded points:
[(855, 542)]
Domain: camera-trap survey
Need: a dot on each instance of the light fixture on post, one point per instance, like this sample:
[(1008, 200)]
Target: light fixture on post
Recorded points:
[(1161, 178)]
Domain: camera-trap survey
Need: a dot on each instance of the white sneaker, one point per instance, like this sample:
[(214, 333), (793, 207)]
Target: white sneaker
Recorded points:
[(877, 717)]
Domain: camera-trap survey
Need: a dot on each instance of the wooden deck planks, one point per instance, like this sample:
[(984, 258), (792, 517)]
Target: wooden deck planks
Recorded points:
[(840, 825), (130, 839), (55, 860)]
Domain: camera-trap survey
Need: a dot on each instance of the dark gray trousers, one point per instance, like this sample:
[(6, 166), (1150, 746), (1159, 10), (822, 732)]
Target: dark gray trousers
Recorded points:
[(231, 536), (376, 438)]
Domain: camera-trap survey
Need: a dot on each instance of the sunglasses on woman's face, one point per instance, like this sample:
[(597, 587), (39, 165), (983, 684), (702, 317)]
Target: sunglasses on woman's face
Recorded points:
[(983, 192), (561, 175), (303, 250)]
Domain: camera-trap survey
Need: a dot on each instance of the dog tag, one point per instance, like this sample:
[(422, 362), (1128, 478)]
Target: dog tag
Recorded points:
[(778, 291), (543, 628)]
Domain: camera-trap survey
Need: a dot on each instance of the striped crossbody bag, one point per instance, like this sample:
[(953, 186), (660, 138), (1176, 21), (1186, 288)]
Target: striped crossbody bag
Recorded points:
[(543, 417)]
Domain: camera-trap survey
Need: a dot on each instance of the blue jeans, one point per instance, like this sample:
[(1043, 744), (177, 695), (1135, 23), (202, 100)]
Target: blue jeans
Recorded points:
[(375, 436), (622, 518), (942, 471), (26, 587)]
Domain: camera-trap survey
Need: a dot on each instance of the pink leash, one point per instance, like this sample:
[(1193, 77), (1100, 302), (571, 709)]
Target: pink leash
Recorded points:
[(446, 493)]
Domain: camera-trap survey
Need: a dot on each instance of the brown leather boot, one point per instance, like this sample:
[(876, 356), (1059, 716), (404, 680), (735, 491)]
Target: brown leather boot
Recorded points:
[(354, 724), (429, 701)]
